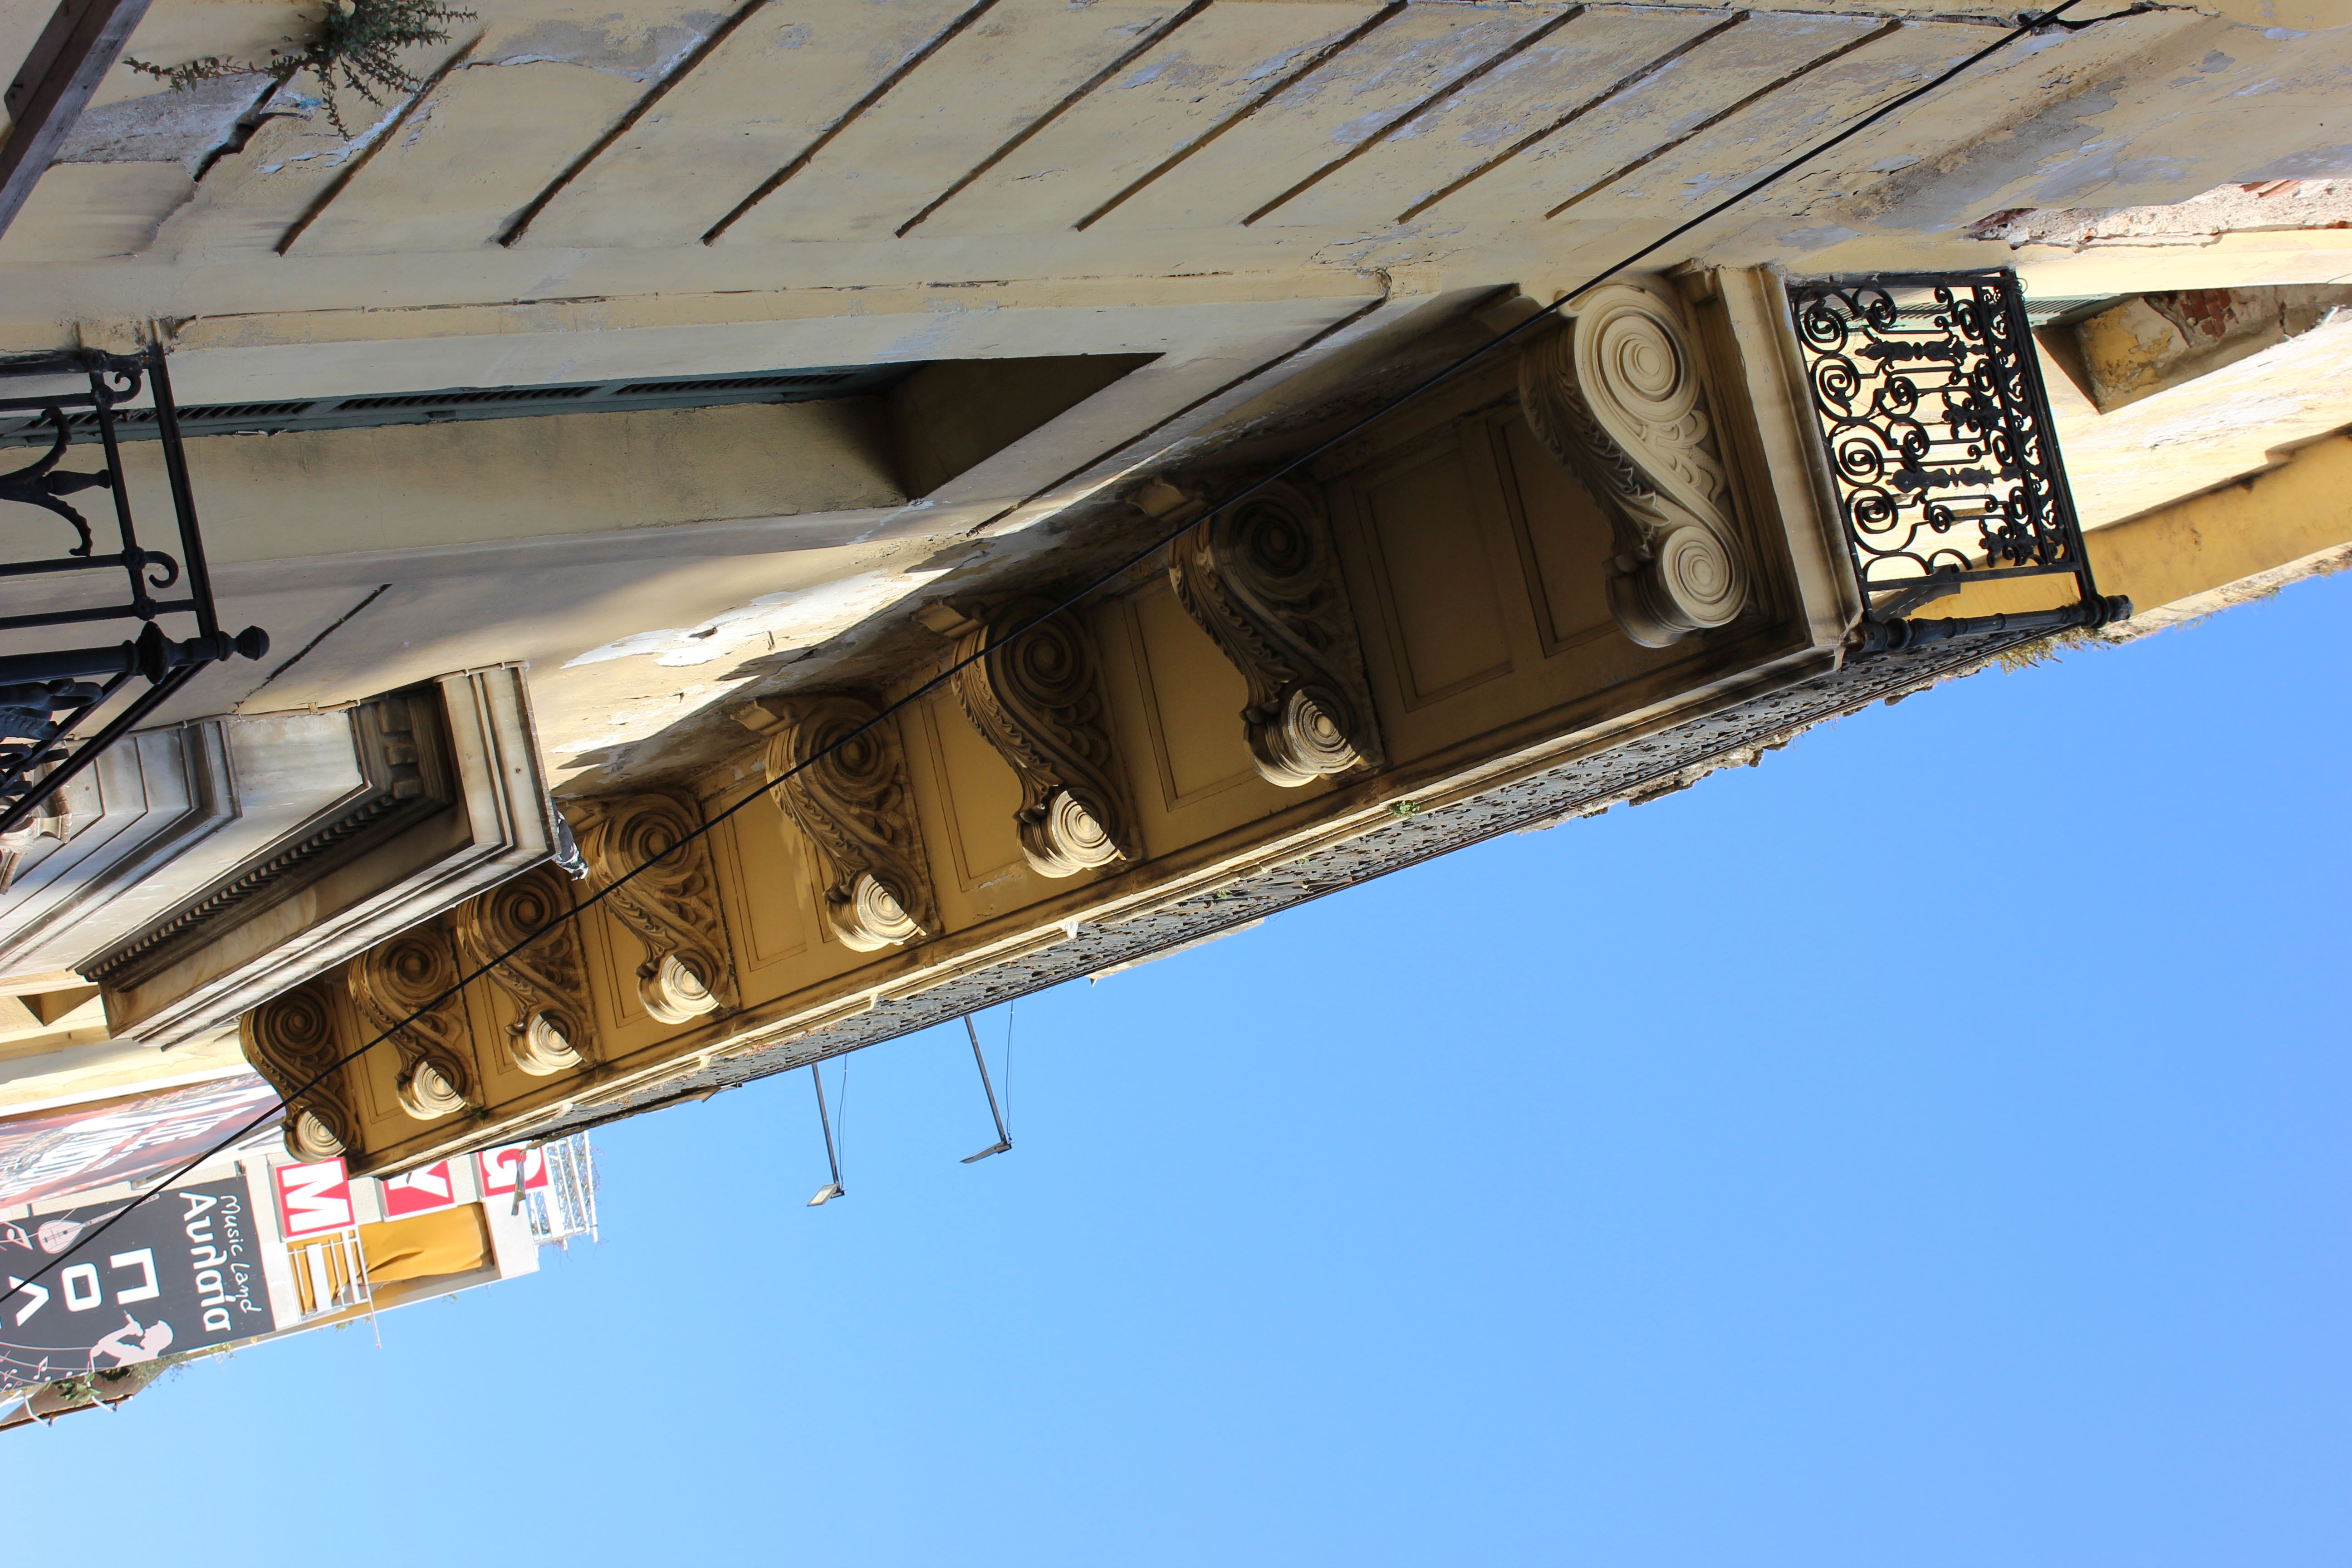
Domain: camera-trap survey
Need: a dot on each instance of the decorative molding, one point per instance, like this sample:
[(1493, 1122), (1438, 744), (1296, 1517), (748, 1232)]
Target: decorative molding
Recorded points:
[(1620, 396), (856, 810), (671, 905), (401, 743), (333, 831), (1038, 702), (289, 1039), (1729, 736), (1263, 580), (55, 819), (406, 989), (550, 1026)]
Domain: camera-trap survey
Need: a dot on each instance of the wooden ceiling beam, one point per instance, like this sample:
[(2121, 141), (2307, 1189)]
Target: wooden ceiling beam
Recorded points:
[(73, 54)]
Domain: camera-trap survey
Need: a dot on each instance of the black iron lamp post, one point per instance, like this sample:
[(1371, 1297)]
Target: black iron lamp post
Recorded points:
[(47, 698)]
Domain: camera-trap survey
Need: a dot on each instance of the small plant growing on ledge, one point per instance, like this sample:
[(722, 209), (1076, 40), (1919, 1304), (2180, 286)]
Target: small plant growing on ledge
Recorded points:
[(357, 40)]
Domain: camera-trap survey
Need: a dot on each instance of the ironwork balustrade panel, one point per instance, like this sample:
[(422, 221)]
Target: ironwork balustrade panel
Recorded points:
[(1940, 445), (47, 698)]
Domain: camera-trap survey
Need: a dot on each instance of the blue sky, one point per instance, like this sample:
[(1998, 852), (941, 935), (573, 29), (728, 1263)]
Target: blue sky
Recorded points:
[(1722, 1182)]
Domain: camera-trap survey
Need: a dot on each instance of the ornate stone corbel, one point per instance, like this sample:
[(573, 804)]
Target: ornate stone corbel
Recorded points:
[(855, 807), (550, 1026), (398, 986), (671, 905), (1039, 703), (1263, 580), (289, 1039), (1620, 397)]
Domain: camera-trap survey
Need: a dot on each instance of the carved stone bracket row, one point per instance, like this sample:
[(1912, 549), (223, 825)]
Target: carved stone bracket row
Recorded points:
[(404, 990), (836, 767), (1263, 581), (1620, 397)]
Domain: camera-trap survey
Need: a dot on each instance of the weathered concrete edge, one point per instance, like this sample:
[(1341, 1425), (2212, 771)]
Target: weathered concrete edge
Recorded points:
[(1643, 769)]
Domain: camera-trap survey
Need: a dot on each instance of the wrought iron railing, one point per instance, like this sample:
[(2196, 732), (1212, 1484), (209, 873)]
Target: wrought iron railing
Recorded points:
[(1941, 450), (52, 701)]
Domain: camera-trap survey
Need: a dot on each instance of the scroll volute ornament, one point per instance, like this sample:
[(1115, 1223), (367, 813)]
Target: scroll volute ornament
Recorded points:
[(404, 988), (542, 987), (854, 806), (1037, 701), (289, 1039), (1263, 580), (671, 905), (1618, 397)]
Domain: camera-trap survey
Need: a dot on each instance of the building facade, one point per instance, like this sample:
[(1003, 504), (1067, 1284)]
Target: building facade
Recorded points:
[(619, 427)]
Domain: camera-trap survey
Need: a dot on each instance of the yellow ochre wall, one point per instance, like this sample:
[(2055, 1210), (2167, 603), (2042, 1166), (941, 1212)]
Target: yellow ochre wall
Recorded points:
[(2186, 559), (1473, 563)]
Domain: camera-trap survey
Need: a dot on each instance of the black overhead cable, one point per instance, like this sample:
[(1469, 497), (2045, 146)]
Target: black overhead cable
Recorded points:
[(2026, 26)]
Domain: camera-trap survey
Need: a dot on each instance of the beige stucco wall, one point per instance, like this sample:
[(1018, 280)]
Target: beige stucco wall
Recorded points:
[(2222, 425), (584, 192), (1142, 175)]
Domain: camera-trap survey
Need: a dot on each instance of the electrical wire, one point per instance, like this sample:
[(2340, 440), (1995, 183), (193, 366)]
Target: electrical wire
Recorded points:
[(841, 1111), (2026, 26)]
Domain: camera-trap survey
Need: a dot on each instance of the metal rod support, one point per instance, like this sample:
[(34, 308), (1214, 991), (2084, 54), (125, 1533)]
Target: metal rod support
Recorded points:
[(832, 1158), (184, 494), (1891, 637), (153, 655), (1003, 1141)]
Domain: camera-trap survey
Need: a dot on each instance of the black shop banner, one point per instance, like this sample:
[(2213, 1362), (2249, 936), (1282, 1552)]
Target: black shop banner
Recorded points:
[(180, 1271)]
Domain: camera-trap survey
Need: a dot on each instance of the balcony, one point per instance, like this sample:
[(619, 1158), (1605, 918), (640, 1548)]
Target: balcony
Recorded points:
[(1938, 444), (58, 706)]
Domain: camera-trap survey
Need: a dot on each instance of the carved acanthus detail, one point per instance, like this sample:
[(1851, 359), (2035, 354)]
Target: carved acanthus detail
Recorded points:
[(855, 808), (1263, 580), (543, 986), (671, 906), (1618, 397), (405, 988), (1038, 701), (289, 1039)]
